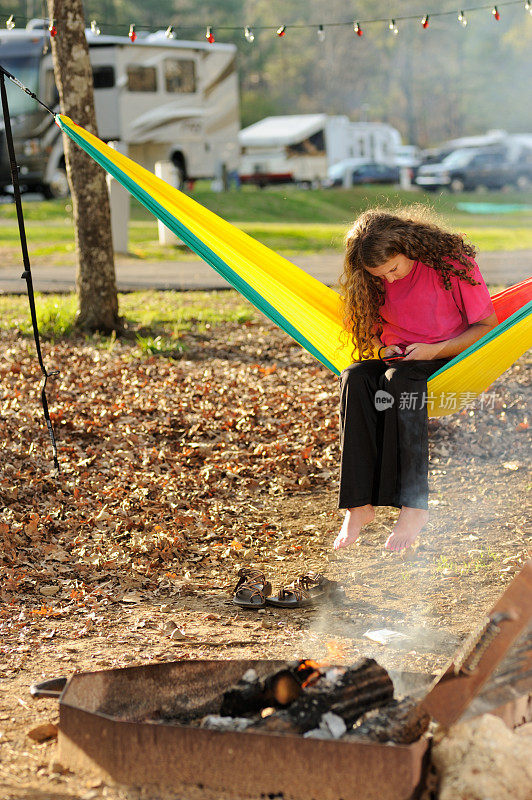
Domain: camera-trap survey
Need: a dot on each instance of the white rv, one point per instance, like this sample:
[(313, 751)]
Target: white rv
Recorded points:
[(164, 99), (301, 147)]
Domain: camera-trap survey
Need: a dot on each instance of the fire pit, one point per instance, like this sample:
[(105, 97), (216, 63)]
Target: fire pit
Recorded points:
[(114, 719), (300, 730)]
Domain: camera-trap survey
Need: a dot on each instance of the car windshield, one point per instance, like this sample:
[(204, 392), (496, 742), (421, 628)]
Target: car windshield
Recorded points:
[(26, 70), (338, 170), (459, 158)]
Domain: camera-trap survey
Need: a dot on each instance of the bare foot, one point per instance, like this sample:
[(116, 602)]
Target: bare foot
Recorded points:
[(354, 520), (407, 528)]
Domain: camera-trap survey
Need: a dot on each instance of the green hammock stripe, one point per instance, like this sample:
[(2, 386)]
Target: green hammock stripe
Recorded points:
[(198, 247), (508, 323)]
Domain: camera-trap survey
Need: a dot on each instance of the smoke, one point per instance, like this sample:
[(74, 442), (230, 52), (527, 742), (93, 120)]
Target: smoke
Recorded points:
[(432, 84), (433, 597)]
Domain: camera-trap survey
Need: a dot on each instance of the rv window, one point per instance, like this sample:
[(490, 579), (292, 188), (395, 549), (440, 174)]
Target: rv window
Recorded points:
[(141, 79), (179, 76), (104, 77), (314, 145)]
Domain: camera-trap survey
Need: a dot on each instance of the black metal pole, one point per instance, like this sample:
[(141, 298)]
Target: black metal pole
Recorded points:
[(25, 257)]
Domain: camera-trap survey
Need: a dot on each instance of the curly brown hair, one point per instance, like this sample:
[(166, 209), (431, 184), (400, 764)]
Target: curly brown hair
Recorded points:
[(378, 235)]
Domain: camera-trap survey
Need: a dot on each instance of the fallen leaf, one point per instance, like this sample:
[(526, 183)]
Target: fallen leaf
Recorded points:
[(43, 733), (131, 597), (49, 591)]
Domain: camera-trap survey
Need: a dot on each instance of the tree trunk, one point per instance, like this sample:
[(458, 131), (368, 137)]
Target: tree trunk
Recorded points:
[(95, 277)]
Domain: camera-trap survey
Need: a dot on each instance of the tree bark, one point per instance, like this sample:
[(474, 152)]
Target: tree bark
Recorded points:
[(95, 276)]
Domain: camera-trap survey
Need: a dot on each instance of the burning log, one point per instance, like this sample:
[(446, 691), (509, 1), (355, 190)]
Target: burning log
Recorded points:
[(278, 722), (401, 722), (319, 701), (251, 694), (344, 692), (348, 694)]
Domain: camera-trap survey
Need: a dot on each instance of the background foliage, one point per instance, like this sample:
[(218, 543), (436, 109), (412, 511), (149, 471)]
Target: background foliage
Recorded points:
[(432, 84)]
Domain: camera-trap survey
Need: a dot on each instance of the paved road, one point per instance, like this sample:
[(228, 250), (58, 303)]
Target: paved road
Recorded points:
[(504, 268)]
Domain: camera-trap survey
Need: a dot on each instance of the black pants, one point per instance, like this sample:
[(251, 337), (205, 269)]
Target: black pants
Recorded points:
[(384, 433)]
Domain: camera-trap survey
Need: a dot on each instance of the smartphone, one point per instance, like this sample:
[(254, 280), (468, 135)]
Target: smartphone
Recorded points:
[(395, 358)]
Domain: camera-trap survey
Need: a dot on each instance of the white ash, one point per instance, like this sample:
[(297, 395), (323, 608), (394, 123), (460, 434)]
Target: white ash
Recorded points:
[(216, 723), (331, 727), (334, 674), (334, 724), (317, 733)]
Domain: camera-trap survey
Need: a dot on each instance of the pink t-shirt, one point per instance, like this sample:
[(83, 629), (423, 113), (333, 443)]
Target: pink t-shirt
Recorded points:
[(418, 308)]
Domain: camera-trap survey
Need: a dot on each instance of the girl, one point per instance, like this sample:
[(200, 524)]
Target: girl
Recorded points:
[(413, 299)]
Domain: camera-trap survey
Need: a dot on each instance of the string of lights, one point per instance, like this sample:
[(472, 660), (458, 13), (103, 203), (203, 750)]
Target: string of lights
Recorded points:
[(249, 31)]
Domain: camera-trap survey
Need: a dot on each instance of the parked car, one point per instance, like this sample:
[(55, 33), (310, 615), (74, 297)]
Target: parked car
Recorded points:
[(406, 155), (523, 168), (434, 155), (350, 173), (467, 169), (336, 174)]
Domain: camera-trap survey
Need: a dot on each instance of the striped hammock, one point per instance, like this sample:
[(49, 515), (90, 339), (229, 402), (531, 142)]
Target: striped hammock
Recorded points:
[(298, 303)]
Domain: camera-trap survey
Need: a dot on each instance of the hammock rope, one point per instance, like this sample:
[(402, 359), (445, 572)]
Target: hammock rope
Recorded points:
[(305, 308)]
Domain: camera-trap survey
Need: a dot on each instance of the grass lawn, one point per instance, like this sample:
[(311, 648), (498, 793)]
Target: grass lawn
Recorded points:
[(288, 220), (158, 321)]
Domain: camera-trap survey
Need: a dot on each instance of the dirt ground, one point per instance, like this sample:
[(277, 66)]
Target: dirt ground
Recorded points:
[(175, 473)]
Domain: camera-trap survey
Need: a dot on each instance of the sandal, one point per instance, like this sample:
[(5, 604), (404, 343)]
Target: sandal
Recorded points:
[(251, 589), (304, 591)]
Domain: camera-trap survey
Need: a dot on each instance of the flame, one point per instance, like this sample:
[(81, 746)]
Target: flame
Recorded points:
[(315, 672), (308, 664), (312, 678), (335, 650)]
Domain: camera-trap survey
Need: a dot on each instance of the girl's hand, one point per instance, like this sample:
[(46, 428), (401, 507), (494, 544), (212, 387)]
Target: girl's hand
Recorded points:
[(420, 351), (392, 350)]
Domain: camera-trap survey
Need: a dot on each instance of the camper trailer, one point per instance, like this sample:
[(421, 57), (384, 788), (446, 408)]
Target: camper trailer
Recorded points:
[(300, 148), (163, 99)]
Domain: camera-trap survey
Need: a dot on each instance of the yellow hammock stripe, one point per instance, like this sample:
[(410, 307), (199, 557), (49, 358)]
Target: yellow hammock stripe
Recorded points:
[(303, 306)]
